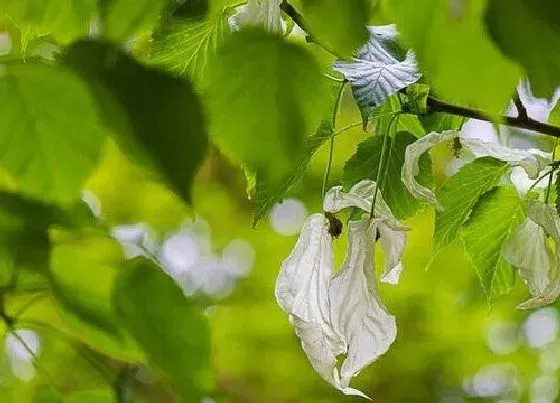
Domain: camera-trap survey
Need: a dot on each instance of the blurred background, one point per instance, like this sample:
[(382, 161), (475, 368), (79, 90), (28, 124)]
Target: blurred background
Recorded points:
[(451, 346)]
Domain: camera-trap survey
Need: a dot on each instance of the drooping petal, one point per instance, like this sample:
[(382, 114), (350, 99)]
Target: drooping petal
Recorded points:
[(411, 168), (302, 292), (392, 234), (263, 13), (546, 217), (528, 250), (532, 160), (357, 313)]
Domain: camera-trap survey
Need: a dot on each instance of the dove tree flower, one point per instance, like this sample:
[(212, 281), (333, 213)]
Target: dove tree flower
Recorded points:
[(342, 315), (531, 160)]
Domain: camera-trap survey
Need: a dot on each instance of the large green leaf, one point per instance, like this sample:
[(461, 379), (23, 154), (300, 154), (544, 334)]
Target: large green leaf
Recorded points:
[(454, 52), (269, 192), (365, 164), (126, 17), (186, 47), (382, 116), (64, 19), (161, 124), (170, 328), (493, 219), (50, 133), (91, 396), (460, 193), (265, 96), (526, 36), (439, 122), (83, 270)]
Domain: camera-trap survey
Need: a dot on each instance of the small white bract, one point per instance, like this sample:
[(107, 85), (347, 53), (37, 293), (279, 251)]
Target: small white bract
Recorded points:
[(532, 160), (343, 314), (261, 13)]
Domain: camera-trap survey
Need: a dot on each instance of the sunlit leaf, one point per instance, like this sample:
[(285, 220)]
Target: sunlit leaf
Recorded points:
[(493, 219), (339, 25), (520, 30), (265, 96), (161, 124), (365, 164), (83, 270), (171, 329), (126, 17), (454, 52), (50, 133), (460, 193)]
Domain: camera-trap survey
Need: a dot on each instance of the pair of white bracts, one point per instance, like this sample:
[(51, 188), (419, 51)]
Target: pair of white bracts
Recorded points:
[(340, 313)]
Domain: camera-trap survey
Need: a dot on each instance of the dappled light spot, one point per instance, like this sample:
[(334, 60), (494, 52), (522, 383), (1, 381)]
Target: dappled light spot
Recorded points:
[(287, 217), (541, 327), (503, 338), (544, 389)]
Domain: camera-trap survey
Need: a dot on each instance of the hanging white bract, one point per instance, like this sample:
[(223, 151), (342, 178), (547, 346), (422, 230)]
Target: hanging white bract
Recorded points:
[(342, 314)]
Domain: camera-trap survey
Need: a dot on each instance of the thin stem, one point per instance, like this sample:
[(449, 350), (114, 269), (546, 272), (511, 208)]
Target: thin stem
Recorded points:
[(331, 140), (122, 384), (382, 180), (551, 172), (31, 353), (540, 178), (381, 160), (521, 110)]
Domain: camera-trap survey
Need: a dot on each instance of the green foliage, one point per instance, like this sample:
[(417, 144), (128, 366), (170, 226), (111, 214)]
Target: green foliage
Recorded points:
[(439, 122), (262, 111), (91, 396), (406, 122), (63, 19), (83, 269), (459, 194), (185, 47), (171, 329), (365, 164), (269, 192), (493, 219), (339, 25), (524, 34), (417, 98), (161, 125), (48, 150), (454, 52), (123, 18)]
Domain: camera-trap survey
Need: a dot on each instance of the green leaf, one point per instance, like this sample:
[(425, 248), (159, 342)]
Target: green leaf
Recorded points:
[(518, 28), (439, 122), (269, 192), (46, 394), (365, 163), (554, 116), (186, 47), (83, 271), (417, 98), (170, 328), (91, 396), (406, 122), (460, 193), (493, 219), (341, 26), (161, 123), (265, 96), (49, 147), (123, 18), (454, 52), (64, 19)]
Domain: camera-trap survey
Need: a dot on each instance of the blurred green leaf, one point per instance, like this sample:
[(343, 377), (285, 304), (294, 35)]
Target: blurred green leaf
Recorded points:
[(406, 122), (523, 35), (341, 26), (170, 328), (554, 117), (47, 395), (91, 396), (266, 95), (163, 125), (83, 269), (493, 219), (65, 20), (460, 193), (186, 47), (439, 122), (49, 145), (123, 18), (269, 192), (365, 164), (457, 58), (187, 9)]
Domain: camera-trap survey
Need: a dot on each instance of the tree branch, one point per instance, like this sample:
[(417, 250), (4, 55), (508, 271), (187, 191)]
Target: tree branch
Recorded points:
[(521, 110), (435, 105)]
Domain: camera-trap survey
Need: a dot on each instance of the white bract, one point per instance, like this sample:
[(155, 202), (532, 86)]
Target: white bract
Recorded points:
[(531, 160), (545, 284), (262, 13), (342, 314), (376, 74)]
